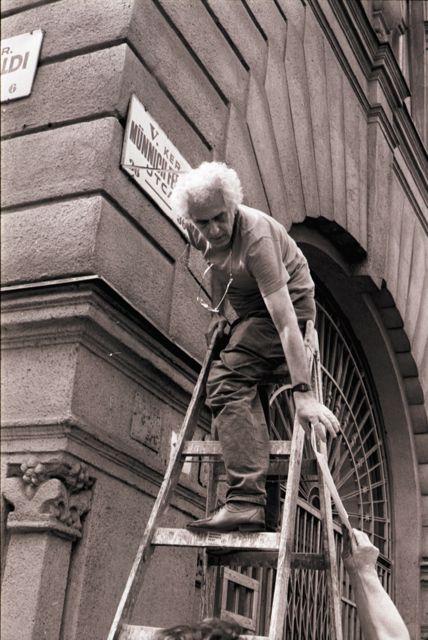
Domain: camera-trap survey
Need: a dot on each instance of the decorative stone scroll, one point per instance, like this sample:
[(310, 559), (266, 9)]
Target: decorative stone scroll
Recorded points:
[(48, 496)]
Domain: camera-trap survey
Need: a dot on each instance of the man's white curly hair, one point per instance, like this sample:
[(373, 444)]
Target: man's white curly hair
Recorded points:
[(198, 185)]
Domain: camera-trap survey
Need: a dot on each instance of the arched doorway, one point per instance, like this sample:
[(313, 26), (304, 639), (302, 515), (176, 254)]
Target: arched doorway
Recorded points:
[(359, 466)]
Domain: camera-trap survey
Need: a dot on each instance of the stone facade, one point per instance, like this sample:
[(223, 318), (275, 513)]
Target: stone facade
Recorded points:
[(102, 340)]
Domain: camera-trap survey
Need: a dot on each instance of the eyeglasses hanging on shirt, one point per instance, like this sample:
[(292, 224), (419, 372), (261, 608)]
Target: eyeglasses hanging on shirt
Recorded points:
[(206, 305)]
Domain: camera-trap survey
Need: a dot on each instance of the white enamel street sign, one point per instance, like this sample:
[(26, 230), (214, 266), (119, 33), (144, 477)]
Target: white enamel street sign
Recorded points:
[(149, 156), (19, 57)]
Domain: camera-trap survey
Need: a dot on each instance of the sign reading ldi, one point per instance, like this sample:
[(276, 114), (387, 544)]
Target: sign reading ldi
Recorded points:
[(19, 57)]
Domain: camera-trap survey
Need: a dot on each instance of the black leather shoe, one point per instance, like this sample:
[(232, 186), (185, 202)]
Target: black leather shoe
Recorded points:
[(244, 517)]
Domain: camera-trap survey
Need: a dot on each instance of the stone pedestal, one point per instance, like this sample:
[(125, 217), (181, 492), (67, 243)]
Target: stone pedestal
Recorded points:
[(48, 500)]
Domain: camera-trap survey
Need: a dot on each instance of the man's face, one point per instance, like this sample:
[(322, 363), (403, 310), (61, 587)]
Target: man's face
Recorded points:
[(213, 220)]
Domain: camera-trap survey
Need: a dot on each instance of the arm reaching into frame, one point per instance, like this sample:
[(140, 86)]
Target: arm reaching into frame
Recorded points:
[(378, 615)]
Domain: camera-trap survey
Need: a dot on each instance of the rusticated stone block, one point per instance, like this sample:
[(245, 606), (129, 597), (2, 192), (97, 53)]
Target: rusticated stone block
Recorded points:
[(317, 85), (79, 159), (406, 364), (56, 163), (70, 25), (425, 511), (399, 340), (171, 63), (300, 110), (263, 139), (235, 19), (393, 238), (188, 319), (294, 11), (121, 250), (272, 22), (98, 83), (334, 79), (379, 186), (77, 88), (391, 318), (417, 286), (239, 147), (136, 79), (279, 106), (363, 133), (208, 43), (406, 251), (50, 241), (89, 236), (14, 5), (423, 478), (421, 445), (352, 160), (419, 418)]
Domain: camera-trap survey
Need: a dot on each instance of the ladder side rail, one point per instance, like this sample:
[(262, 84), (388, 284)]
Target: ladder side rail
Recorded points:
[(209, 572), (169, 483), (288, 524), (334, 599), (286, 544)]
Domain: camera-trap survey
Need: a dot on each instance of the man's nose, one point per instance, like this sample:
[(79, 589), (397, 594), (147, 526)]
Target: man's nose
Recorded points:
[(215, 229)]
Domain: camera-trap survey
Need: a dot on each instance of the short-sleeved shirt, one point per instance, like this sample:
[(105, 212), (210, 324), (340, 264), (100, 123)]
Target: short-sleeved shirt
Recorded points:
[(263, 259)]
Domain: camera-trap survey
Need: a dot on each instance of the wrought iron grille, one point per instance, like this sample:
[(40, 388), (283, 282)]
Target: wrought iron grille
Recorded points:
[(359, 468)]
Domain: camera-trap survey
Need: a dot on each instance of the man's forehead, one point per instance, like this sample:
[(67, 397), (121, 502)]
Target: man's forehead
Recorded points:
[(207, 208)]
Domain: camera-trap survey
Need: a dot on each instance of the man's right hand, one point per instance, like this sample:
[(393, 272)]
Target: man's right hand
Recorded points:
[(215, 322)]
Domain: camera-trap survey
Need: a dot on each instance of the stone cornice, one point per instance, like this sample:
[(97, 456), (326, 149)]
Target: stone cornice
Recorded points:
[(19, 295), (90, 311), (69, 436)]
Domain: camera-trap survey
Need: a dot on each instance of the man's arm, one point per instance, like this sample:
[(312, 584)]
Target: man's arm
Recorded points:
[(379, 617), (309, 410)]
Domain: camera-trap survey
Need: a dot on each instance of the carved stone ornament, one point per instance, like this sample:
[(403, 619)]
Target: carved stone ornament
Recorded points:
[(48, 496)]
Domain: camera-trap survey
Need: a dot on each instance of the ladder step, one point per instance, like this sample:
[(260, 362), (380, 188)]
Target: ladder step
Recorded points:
[(137, 632), (314, 561), (279, 468), (212, 448), (235, 540)]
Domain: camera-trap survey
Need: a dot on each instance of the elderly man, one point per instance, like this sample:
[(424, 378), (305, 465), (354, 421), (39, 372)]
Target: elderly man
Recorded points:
[(258, 268)]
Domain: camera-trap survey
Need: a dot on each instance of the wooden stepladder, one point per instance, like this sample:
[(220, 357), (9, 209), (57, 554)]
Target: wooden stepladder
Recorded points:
[(281, 543)]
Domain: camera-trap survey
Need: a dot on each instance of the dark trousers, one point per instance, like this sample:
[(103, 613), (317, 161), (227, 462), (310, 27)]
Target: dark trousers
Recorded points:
[(253, 351)]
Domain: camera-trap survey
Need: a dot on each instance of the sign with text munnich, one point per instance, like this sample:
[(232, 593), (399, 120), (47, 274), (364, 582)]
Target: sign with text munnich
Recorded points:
[(151, 159), (19, 57)]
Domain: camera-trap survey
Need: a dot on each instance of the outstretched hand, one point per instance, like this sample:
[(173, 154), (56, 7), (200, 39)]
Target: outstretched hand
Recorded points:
[(310, 412), (358, 552)]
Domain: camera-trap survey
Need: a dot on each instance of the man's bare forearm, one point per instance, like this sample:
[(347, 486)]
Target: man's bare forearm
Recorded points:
[(285, 321)]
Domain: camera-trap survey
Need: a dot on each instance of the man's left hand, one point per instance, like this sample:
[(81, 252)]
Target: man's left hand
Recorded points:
[(310, 412)]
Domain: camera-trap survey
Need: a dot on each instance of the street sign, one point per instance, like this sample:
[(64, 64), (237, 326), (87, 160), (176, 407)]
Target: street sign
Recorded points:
[(151, 159), (19, 57)]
